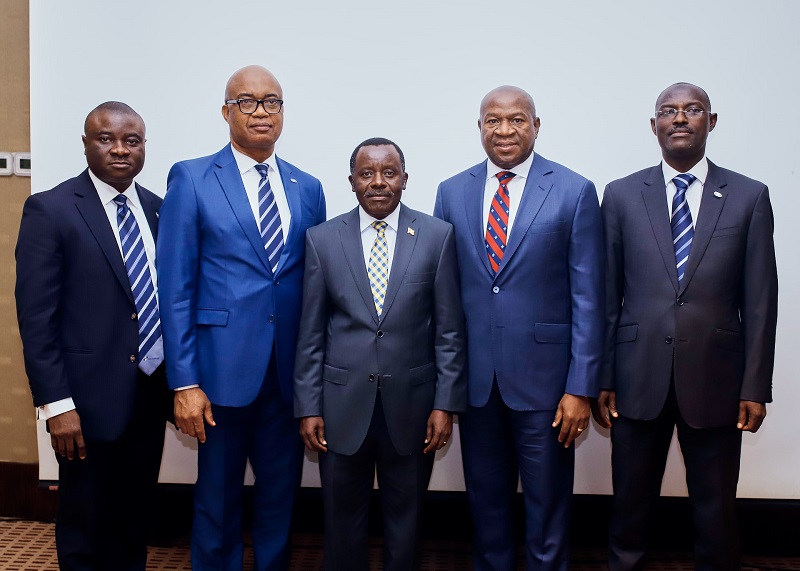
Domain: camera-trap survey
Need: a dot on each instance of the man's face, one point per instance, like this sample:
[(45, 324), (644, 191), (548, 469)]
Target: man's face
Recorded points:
[(254, 135), (114, 147), (509, 127), (683, 139), (378, 180)]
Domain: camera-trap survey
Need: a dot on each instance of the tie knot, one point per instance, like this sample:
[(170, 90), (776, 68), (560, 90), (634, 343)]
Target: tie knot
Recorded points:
[(262, 170), (380, 226), (121, 200), (504, 176), (684, 181)]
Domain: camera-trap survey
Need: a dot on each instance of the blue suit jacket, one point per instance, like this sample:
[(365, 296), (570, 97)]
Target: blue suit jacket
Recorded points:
[(222, 307), (77, 317), (538, 324)]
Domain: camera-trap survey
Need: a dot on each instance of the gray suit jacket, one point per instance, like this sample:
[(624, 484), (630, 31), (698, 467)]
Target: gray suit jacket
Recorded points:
[(414, 352), (716, 329)]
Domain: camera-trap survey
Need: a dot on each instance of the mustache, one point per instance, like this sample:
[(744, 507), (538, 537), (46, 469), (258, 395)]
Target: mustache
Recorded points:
[(378, 193), (681, 130)]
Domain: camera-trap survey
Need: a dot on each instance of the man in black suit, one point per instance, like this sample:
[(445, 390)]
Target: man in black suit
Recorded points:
[(692, 294), (380, 359), (90, 328)]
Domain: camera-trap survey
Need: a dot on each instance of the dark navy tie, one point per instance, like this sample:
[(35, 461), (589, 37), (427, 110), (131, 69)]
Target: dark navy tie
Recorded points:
[(269, 219), (681, 222), (151, 347)]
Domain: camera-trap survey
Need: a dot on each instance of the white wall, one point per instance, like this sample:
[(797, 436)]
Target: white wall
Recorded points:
[(415, 72)]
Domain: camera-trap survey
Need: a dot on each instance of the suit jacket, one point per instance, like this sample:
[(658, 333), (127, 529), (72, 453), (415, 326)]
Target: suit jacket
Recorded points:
[(538, 324), (77, 317), (222, 307), (414, 352), (715, 333)]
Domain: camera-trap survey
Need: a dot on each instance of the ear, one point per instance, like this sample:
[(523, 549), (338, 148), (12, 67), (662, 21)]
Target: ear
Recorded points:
[(536, 124), (225, 111), (352, 186), (405, 180), (653, 126), (83, 138), (712, 121)]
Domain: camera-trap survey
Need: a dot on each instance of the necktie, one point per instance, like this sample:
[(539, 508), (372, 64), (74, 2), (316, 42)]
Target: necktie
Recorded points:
[(269, 219), (151, 348), (681, 222), (497, 227), (378, 267)]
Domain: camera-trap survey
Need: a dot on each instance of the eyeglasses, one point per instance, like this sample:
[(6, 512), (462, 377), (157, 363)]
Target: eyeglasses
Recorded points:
[(669, 112), (248, 106)]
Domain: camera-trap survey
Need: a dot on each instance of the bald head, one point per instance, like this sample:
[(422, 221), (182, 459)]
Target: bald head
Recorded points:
[(112, 107), (247, 76), (508, 93), (684, 88), (509, 126)]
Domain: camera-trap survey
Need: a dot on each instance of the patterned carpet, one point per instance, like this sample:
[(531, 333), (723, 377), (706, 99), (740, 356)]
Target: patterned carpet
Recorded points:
[(30, 546)]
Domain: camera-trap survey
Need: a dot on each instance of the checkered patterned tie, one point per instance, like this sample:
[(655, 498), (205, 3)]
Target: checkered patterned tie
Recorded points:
[(378, 267), (269, 219), (681, 222), (497, 227), (151, 347)]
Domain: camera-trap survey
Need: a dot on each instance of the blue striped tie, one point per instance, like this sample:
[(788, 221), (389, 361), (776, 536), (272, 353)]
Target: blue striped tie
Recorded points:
[(681, 222), (151, 348), (269, 219)]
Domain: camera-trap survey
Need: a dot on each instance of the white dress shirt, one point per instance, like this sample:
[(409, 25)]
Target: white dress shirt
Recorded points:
[(695, 191), (515, 187), (251, 178), (107, 195), (368, 235)]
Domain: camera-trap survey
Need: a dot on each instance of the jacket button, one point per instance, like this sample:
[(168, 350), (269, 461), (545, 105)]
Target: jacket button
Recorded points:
[(132, 358), (379, 333), (133, 315), (679, 301), (495, 289), (371, 378), (668, 340), (272, 319)]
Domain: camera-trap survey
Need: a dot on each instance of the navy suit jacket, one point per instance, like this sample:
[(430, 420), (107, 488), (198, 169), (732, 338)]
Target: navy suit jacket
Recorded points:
[(715, 332), (415, 351), (76, 313), (222, 307), (538, 324)]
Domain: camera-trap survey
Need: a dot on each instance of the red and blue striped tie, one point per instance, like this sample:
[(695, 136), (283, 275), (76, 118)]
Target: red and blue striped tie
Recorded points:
[(497, 227)]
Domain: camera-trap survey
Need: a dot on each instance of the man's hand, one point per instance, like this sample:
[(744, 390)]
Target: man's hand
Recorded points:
[(191, 408), (312, 431), (605, 408), (751, 415), (66, 435), (573, 416), (440, 427)]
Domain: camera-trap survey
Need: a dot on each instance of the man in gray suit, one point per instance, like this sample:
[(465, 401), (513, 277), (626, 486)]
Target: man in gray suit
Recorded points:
[(692, 293), (380, 359)]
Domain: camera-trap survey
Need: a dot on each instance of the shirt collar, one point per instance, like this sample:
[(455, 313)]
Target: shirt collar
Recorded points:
[(521, 170), (365, 220), (700, 171), (107, 193), (245, 163)]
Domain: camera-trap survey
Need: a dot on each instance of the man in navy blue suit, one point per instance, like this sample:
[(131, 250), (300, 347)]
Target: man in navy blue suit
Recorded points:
[(231, 260), (82, 328), (530, 253)]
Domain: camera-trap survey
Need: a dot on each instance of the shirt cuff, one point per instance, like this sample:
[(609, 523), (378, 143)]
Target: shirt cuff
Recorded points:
[(186, 387), (48, 411)]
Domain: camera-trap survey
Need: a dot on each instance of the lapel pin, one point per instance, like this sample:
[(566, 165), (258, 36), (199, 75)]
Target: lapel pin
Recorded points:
[(410, 230), (293, 180), (717, 194)]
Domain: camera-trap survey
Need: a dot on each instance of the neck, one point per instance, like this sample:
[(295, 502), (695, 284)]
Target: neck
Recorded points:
[(682, 164), (258, 155)]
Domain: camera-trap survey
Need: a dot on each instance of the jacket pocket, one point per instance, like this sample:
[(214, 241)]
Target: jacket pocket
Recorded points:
[(729, 340), (627, 333), (334, 375), (419, 278), (552, 332), (423, 374), (729, 231), (212, 317), (546, 227)]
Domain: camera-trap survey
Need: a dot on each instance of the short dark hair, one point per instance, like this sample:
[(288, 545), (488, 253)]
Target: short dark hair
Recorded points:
[(115, 106), (376, 142)]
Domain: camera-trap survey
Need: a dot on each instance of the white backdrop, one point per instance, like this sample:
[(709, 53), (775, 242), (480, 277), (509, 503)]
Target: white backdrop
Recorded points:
[(415, 72)]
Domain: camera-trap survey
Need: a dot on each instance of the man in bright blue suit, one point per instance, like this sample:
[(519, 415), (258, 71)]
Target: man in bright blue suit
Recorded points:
[(231, 278), (529, 241)]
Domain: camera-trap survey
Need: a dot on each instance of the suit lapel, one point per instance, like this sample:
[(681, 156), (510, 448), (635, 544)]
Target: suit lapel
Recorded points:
[(537, 188), (292, 190), (230, 179), (655, 201), (473, 205), (707, 217), (403, 248), (350, 235), (87, 201)]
